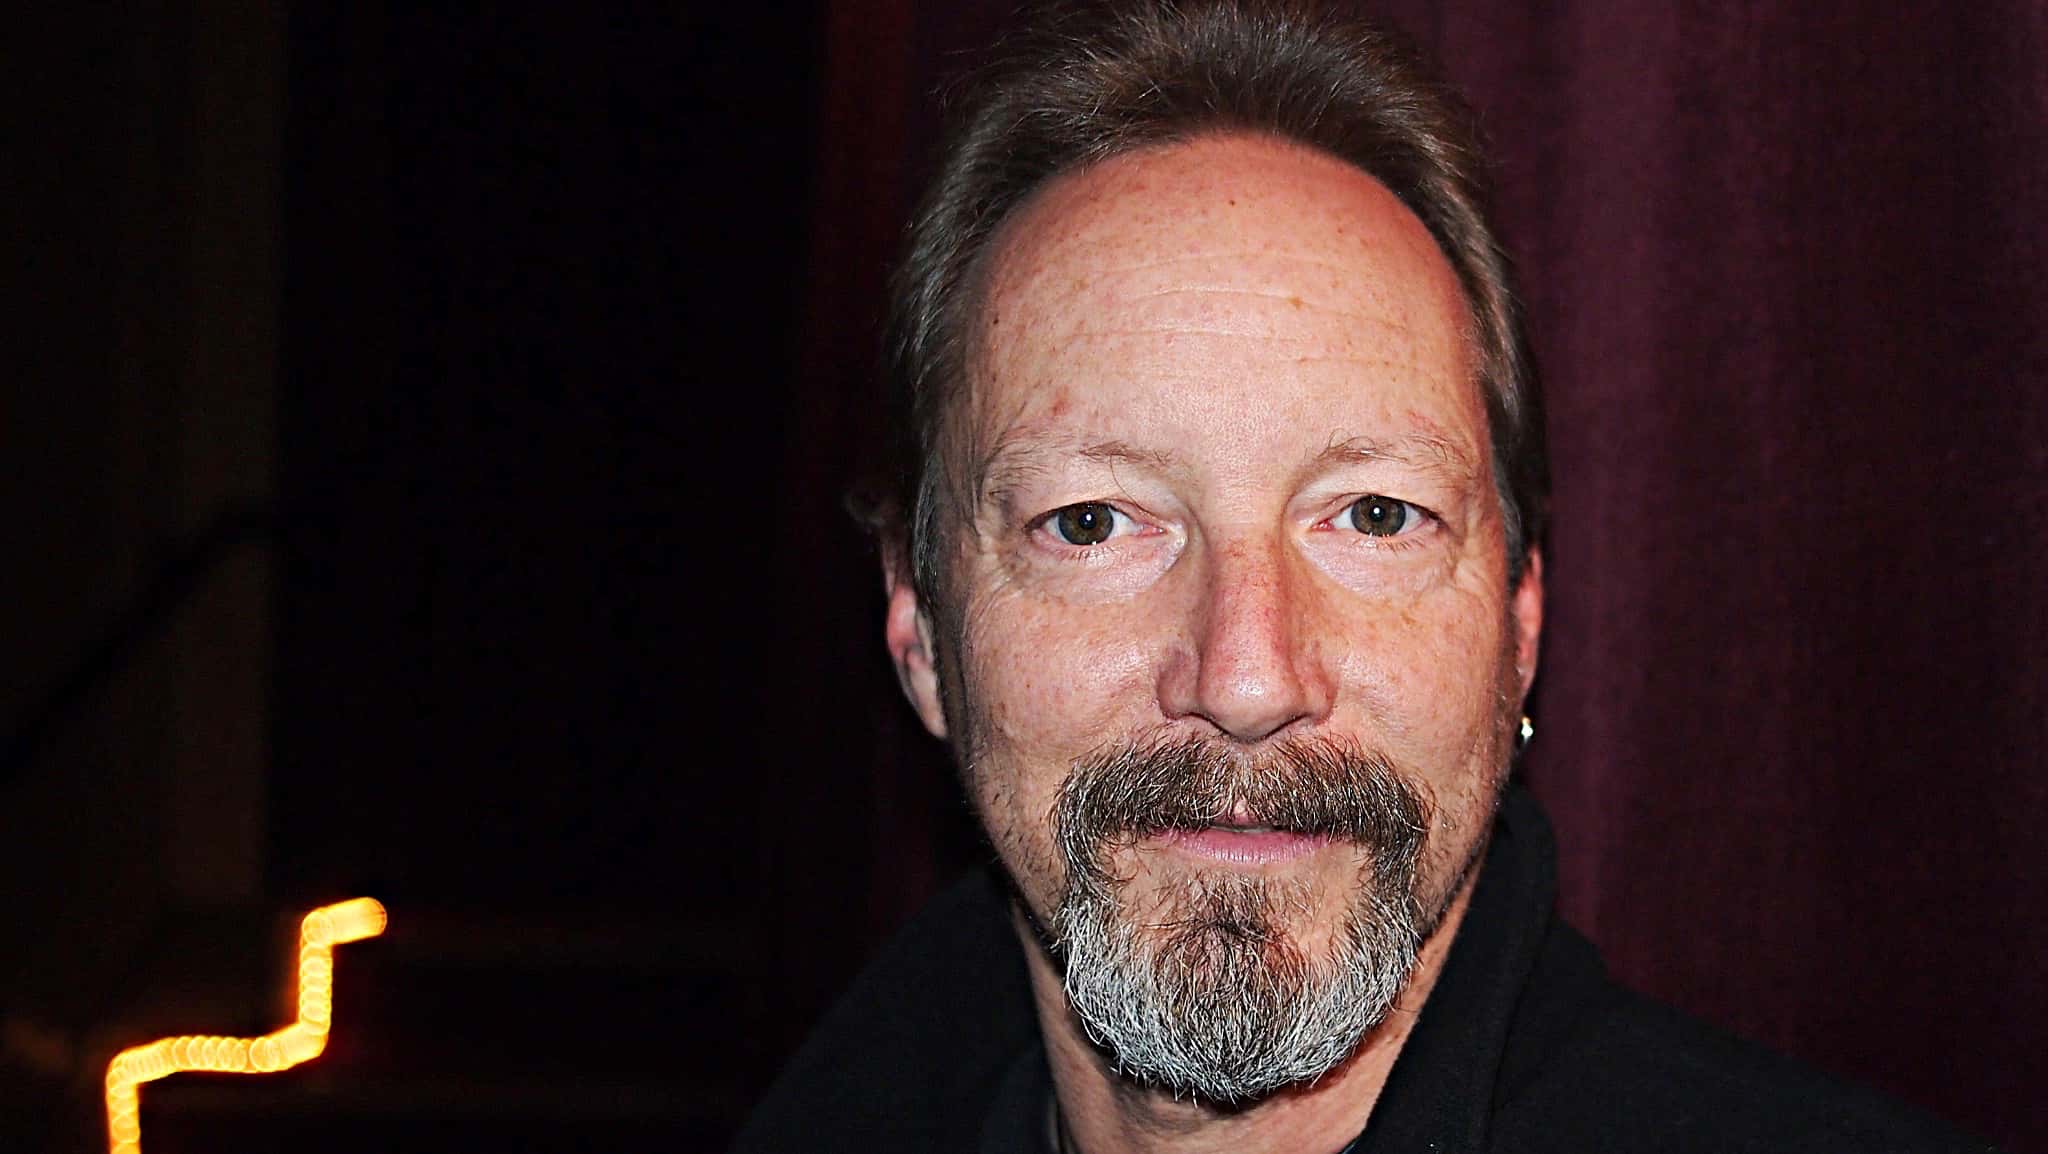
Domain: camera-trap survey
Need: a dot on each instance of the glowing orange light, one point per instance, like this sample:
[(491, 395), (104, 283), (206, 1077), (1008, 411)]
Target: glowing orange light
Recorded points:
[(301, 1040)]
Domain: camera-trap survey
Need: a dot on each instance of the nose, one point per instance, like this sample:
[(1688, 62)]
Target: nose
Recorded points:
[(1253, 663)]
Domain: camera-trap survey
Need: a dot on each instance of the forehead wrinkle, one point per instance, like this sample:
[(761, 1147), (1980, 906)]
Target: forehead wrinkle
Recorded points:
[(1058, 247), (1299, 300), (1026, 267), (1084, 332), (1372, 325)]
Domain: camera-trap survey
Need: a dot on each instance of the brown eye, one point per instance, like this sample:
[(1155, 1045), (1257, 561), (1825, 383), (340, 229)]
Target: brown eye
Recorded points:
[(1089, 523), (1378, 516)]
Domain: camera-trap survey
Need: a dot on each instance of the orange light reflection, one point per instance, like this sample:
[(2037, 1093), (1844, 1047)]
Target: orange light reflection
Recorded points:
[(281, 1049)]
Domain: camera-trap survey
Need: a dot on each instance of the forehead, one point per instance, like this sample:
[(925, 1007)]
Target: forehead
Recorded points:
[(1239, 268)]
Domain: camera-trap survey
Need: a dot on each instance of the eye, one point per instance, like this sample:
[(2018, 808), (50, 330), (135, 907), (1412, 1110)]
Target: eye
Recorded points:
[(1377, 516), (1088, 523)]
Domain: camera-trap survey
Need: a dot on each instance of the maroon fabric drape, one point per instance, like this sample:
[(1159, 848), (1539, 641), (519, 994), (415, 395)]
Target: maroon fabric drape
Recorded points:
[(1784, 268)]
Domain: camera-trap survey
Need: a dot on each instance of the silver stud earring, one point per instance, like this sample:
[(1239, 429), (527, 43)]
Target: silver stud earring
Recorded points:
[(1525, 734)]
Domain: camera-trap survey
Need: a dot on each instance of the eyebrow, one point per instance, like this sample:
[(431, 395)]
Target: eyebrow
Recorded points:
[(1415, 450), (1129, 454), (1016, 459)]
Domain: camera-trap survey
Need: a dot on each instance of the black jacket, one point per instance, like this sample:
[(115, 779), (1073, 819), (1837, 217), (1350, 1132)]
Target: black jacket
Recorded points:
[(1525, 1044)]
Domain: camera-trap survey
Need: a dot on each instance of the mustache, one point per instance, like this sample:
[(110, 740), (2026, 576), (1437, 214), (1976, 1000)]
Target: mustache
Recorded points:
[(1314, 786)]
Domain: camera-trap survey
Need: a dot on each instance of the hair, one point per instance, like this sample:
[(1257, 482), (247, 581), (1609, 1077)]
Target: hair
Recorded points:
[(1079, 84)]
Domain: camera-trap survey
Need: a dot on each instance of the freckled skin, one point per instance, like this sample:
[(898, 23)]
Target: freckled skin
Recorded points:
[(1186, 334)]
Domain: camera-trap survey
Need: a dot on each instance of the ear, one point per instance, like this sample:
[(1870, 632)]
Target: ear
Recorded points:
[(1526, 604), (908, 632)]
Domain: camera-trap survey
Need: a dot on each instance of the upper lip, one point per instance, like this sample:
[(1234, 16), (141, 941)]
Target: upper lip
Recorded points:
[(1243, 823), (1241, 819)]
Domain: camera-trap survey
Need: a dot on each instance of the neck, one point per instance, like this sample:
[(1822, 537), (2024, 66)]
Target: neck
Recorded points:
[(1105, 1113)]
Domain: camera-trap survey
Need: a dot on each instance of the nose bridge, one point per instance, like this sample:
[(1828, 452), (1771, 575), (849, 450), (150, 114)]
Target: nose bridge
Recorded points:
[(1255, 645)]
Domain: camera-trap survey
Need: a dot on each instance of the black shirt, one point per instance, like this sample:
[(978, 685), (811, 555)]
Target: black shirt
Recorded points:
[(1525, 1044)]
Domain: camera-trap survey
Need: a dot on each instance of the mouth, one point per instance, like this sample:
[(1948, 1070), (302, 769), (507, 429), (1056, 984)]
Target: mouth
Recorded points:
[(1244, 845)]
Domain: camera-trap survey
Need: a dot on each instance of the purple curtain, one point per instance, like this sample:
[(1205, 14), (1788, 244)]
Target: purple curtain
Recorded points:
[(1783, 263), (1784, 269)]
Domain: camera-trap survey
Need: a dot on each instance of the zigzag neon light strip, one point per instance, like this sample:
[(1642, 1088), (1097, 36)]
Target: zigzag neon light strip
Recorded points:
[(300, 1041)]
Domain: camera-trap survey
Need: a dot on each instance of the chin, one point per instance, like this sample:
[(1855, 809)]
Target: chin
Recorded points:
[(1228, 986)]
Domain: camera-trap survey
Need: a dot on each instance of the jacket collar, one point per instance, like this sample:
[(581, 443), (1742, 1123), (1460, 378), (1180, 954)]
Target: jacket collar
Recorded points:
[(1447, 1082)]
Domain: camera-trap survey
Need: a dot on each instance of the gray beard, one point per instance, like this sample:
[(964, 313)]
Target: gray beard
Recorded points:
[(1205, 993)]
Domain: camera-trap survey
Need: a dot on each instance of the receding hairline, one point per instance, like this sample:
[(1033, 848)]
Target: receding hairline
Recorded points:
[(1123, 169)]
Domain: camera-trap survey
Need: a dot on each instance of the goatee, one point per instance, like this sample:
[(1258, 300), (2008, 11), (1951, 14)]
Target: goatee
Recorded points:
[(1205, 992)]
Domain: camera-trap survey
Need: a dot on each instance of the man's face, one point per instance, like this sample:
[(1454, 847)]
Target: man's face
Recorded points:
[(1230, 535)]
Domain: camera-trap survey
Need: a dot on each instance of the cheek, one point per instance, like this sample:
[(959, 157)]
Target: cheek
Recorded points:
[(1427, 675), (1043, 685), (1051, 680), (1425, 680)]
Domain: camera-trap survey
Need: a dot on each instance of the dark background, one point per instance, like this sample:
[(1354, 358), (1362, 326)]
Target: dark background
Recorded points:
[(423, 461)]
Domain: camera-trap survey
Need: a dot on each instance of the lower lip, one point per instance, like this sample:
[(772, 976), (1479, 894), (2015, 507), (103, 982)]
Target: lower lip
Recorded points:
[(1263, 847)]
